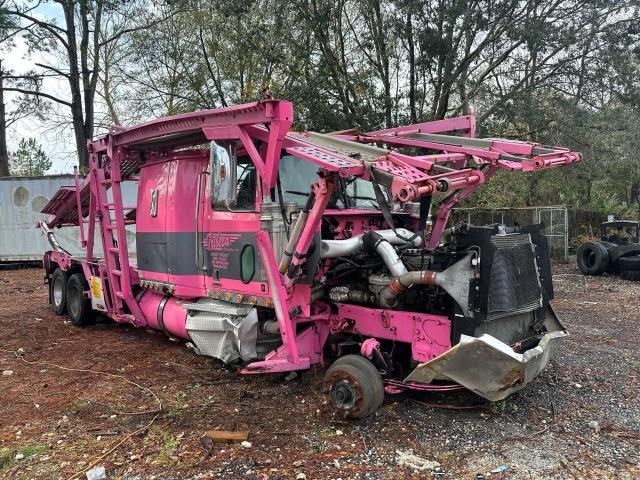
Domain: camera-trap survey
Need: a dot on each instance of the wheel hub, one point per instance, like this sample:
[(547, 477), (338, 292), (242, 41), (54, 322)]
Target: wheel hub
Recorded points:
[(58, 287), (343, 395), (353, 386), (74, 301)]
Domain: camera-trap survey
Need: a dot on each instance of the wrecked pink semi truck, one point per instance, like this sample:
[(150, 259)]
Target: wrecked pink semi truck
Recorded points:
[(279, 250)]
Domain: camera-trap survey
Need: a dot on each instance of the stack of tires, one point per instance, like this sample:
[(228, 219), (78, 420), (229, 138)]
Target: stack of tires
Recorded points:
[(594, 258)]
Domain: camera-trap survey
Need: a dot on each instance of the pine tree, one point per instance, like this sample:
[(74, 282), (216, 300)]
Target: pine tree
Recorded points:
[(29, 160)]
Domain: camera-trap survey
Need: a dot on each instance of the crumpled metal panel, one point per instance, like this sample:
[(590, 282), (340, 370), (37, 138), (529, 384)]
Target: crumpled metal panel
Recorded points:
[(222, 330), (489, 367)]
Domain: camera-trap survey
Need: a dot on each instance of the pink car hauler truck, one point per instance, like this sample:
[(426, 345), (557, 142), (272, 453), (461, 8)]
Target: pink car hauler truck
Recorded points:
[(282, 250)]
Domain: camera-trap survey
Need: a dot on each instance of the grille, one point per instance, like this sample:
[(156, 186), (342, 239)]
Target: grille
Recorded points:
[(514, 282)]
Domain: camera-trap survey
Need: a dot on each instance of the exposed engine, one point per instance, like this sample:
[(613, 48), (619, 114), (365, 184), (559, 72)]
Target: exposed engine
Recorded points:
[(492, 279)]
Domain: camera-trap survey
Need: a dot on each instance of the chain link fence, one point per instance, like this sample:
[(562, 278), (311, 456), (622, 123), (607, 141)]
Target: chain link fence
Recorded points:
[(564, 227)]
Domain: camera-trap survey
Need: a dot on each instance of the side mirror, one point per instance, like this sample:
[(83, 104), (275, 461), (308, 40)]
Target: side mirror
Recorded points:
[(222, 165)]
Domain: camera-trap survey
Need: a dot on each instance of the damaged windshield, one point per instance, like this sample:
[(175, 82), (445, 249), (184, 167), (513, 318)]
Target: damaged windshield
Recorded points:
[(297, 175)]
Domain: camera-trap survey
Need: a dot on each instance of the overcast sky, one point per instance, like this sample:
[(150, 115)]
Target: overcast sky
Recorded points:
[(57, 141)]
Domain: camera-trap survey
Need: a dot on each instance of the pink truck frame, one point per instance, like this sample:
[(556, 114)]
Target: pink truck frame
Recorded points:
[(281, 250)]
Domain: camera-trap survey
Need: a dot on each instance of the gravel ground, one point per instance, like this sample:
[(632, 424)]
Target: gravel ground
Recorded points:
[(579, 419)]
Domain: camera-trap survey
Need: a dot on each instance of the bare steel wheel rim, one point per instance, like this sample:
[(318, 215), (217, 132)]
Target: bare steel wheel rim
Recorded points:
[(58, 289), (73, 301)]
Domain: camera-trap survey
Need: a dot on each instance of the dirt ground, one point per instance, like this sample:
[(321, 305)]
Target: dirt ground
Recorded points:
[(579, 419)]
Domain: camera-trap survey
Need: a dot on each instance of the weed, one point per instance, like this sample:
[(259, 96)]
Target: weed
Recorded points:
[(319, 448), (175, 411), (8, 454), (80, 405), (503, 406), (32, 449), (168, 443)]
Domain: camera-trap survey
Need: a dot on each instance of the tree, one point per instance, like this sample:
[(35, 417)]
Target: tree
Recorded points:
[(561, 72), (7, 26), (75, 48), (22, 107), (4, 154), (29, 160)]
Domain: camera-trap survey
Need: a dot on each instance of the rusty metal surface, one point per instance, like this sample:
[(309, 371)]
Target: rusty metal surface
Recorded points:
[(21, 200), (489, 367)]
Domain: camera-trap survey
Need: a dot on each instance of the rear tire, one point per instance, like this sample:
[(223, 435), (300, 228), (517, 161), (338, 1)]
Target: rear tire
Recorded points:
[(79, 306), (593, 258), (58, 292), (353, 386)]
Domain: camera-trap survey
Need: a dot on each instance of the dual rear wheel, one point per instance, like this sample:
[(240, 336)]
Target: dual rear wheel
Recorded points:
[(67, 295)]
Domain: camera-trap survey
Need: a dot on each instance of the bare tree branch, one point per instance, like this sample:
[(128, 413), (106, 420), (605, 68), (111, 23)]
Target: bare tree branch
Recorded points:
[(38, 94)]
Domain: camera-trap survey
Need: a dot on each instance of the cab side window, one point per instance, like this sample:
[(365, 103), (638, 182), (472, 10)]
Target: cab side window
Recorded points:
[(246, 183), (233, 180)]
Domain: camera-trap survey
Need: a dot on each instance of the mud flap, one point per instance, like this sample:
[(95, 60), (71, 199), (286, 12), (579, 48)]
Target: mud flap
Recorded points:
[(489, 367)]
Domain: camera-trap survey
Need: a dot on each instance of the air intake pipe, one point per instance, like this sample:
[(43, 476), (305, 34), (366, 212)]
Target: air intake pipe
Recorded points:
[(454, 280), (373, 242), (353, 245)]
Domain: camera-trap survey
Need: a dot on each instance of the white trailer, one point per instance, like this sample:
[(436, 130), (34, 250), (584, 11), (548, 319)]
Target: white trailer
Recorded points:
[(22, 199)]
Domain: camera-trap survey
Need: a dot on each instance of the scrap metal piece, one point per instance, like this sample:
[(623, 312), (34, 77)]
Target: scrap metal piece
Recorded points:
[(489, 367), (222, 330)]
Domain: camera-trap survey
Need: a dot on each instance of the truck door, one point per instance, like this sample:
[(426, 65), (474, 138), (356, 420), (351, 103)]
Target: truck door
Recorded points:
[(229, 250), (184, 223)]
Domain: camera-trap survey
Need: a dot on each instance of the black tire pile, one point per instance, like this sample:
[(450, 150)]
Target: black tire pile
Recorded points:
[(594, 259), (629, 267)]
